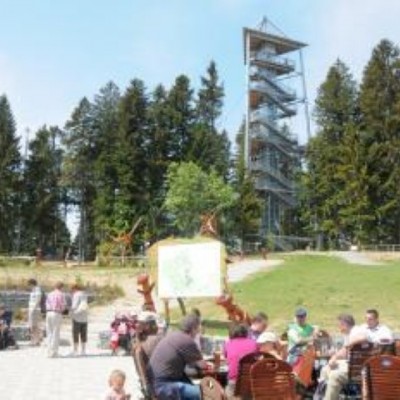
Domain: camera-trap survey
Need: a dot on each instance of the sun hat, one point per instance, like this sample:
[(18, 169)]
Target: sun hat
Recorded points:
[(147, 316), (266, 337)]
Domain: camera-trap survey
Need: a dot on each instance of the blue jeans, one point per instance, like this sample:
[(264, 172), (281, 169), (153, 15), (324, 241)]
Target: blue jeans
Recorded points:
[(177, 391)]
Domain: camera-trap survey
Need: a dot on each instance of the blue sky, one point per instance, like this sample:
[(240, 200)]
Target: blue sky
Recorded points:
[(52, 53)]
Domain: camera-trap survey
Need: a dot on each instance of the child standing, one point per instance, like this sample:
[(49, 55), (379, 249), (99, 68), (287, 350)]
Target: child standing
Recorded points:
[(116, 383)]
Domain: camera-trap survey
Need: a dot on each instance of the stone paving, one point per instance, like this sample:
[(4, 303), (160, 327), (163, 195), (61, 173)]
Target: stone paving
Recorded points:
[(27, 373)]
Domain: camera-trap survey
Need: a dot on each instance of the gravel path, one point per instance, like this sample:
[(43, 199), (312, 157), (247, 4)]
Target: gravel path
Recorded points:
[(242, 269), (354, 257)]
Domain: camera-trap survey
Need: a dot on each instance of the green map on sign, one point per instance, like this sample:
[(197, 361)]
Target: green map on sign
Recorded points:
[(190, 270)]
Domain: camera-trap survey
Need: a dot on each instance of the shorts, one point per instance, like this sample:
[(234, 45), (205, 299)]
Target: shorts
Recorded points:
[(79, 330)]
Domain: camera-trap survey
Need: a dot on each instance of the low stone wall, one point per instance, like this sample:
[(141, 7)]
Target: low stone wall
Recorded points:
[(17, 299), (14, 299)]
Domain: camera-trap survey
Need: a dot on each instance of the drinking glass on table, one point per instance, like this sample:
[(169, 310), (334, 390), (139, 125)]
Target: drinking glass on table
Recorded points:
[(217, 356)]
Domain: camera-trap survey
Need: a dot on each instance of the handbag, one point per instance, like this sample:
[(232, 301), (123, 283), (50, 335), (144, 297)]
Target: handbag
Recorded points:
[(83, 306)]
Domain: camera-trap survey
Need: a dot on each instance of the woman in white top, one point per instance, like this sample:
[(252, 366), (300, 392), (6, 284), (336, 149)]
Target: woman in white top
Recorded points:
[(79, 315)]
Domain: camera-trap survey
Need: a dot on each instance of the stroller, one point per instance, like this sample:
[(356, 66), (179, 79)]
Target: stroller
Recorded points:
[(123, 330)]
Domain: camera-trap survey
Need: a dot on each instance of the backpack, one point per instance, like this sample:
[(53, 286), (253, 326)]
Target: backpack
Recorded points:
[(43, 299)]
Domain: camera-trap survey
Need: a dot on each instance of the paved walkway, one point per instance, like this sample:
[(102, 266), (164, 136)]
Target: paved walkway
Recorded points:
[(28, 374)]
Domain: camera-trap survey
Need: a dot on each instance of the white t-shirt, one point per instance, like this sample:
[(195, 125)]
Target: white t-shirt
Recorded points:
[(34, 299), (378, 334)]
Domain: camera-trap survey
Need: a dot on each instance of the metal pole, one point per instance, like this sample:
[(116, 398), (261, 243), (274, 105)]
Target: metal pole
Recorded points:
[(306, 110), (247, 123)]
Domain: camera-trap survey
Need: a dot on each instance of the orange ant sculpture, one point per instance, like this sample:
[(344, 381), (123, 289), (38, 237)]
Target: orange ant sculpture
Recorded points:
[(235, 313), (144, 280), (209, 225), (124, 241)]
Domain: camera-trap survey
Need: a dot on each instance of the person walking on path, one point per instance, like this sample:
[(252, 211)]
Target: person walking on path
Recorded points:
[(34, 312), (55, 305), (79, 315)]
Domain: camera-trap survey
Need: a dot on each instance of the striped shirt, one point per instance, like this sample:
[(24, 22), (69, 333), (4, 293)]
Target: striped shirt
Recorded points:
[(56, 301)]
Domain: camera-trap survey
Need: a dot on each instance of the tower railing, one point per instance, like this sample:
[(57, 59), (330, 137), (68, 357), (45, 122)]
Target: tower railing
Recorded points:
[(263, 166), (257, 72), (263, 55), (274, 140), (276, 94), (263, 123)]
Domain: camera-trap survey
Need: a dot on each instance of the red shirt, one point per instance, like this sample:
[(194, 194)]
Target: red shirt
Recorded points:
[(234, 350)]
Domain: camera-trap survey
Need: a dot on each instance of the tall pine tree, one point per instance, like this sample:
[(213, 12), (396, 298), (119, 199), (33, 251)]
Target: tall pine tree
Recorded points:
[(106, 127), (79, 172), (132, 193), (44, 225), (210, 148), (380, 135), (10, 163), (336, 111)]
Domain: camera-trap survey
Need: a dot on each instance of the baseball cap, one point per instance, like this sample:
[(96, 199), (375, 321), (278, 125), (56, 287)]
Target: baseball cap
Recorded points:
[(267, 337), (147, 316), (301, 312)]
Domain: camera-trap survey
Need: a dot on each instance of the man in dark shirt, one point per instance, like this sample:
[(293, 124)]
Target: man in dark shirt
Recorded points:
[(147, 332), (169, 359)]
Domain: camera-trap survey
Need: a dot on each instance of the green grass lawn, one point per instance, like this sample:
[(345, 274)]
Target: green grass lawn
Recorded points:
[(325, 285)]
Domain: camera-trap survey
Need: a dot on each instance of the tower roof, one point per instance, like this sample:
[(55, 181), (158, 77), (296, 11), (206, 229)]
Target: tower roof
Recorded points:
[(281, 44)]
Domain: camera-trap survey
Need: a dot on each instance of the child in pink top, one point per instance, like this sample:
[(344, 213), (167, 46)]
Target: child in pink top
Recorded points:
[(238, 345)]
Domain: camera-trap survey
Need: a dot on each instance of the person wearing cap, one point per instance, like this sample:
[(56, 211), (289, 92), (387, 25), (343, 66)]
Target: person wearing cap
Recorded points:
[(172, 354), (300, 335), (148, 334), (268, 342), (238, 345), (335, 374)]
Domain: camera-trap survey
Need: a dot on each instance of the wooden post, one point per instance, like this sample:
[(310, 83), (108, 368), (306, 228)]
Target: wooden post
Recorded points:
[(39, 256), (182, 306), (166, 311)]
